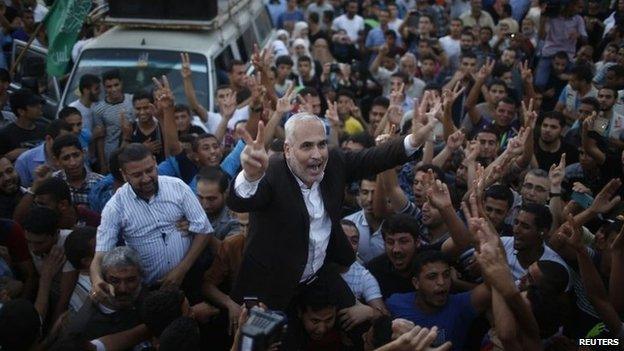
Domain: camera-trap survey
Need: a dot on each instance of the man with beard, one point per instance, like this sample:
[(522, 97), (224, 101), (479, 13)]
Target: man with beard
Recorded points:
[(295, 200), (488, 145), (433, 305), (106, 117), (121, 271), (10, 191), (90, 88), (144, 213), (212, 185), (550, 145), (367, 223), (610, 121), (401, 241)]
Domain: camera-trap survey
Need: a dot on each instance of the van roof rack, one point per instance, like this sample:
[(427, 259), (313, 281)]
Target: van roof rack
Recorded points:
[(226, 10)]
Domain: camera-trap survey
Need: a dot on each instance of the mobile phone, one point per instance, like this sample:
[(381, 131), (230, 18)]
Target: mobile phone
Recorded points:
[(584, 200), (601, 125), (251, 301)]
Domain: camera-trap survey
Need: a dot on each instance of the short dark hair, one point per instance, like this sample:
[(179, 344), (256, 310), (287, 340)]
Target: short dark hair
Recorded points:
[(57, 188), (308, 91), (233, 63), (317, 296), (468, 31), (313, 17), (404, 78), (348, 223), (468, 54), (590, 100), (617, 69), (181, 335), (488, 129), (283, 60), (63, 141), (110, 75), (160, 308), (182, 108), (362, 138), (556, 115), (401, 223), (200, 137), (20, 325), (142, 95), (497, 81), (214, 174), (54, 128), (77, 245), (614, 90), (132, 153), (500, 192), (543, 218), (381, 101), (428, 256), (304, 58), (68, 111), (507, 100), (345, 92), (41, 221), (561, 55), (437, 171), (582, 72), (87, 81)]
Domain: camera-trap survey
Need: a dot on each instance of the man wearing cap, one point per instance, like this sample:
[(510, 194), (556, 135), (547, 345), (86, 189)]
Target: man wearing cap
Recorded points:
[(26, 132)]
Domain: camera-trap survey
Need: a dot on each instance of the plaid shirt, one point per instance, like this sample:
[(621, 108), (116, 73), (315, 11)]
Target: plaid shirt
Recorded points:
[(362, 283), (80, 196)]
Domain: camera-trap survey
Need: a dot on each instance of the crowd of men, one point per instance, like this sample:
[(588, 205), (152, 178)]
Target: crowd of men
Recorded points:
[(394, 175)]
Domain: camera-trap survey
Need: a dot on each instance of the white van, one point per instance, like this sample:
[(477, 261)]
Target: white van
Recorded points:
[(141, 53)]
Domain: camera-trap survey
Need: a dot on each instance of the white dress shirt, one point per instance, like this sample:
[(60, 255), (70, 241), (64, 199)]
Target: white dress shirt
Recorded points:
[(320, 222)]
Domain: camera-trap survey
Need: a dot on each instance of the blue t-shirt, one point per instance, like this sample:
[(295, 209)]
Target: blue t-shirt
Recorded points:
[(452, 320)]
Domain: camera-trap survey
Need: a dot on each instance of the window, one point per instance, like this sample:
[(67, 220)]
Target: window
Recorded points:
[(222, 64), (263, 25), (137, 67)]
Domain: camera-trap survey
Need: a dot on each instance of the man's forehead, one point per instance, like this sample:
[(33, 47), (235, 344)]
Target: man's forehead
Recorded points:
[(4, 164), (533, 179)]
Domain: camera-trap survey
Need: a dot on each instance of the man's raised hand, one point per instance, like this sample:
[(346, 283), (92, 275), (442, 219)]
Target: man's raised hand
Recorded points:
[(254, 158)]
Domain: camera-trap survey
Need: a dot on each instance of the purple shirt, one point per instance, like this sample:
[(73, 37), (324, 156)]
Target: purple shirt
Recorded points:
[(559, 34)]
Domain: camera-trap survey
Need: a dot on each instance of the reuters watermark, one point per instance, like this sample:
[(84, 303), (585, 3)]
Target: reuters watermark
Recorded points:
[(599, 342)]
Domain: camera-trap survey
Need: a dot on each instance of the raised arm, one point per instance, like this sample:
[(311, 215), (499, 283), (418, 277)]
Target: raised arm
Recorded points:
[(589, 144), (189, 89), (473, 95), (616, 278), (164, 101), (439, 197)]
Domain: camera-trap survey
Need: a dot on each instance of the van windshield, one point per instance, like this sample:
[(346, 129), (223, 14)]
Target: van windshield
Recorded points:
[(137, 67)]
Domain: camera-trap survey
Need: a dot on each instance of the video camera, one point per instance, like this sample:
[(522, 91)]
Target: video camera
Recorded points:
[(262, 329)]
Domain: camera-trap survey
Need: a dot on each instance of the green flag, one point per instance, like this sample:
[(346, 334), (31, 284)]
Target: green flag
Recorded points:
[(63, 23)]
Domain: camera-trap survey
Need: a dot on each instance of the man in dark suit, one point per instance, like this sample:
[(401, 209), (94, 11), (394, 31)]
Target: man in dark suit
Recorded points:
[(295, 200)]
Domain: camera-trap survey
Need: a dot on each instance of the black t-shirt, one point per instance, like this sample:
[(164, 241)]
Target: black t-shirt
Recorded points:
[(546, 159), (193, 130), (389, 279), (156, 134), (13, 137)]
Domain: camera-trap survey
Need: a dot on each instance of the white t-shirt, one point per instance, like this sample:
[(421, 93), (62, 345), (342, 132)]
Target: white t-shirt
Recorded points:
[(241, 114), (351, 26), (87, 115), (451, 47)]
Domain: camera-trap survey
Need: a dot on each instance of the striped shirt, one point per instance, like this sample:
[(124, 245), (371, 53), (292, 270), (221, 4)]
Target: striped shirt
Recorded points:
[(149, 227), (80, 196), (362, 283), (107, 115)]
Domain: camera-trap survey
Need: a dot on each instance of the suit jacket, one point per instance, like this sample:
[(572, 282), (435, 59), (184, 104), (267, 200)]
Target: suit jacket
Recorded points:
[(276, 251)]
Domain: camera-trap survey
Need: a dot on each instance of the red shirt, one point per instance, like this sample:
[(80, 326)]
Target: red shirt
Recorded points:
[(12, 237)]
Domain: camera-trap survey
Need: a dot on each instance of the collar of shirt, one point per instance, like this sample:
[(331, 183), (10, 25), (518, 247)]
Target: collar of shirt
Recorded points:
[(151, 199), (39, 154)]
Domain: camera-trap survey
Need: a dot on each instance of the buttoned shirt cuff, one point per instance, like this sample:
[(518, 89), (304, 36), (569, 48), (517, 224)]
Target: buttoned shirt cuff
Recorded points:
[(244, 188), (99, 346), (409, 149)]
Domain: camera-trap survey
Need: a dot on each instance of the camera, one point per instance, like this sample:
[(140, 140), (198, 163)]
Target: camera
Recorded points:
[(334, 68), (262, 329)]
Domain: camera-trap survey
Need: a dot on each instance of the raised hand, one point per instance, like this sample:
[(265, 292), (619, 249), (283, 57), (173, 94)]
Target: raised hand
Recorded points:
[(572, 234), (486, 70), (52, 263), (284, 104), (254, 158), (530, 116), (422, 123), (396, 96), (557, 173), (254, 84), (525, 72), (186, 66), (417, 339), (455, 140), (395, 114), (607, 198), (154, 145), (472, 151), (257, 58), (163, 94), (304, 104), (332, 113), (438, 195), (449, 96)]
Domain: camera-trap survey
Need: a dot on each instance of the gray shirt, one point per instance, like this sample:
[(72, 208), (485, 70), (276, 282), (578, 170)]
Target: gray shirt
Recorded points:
[(107, 116)]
